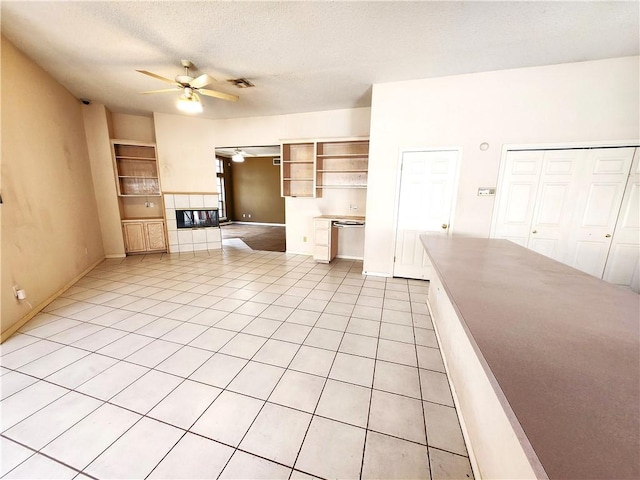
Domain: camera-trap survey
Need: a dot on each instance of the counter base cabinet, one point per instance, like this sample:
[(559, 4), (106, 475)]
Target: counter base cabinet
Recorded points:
[(142, 236), (326, 240)]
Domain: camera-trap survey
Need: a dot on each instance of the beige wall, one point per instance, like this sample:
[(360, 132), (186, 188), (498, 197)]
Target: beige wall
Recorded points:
[(186, 147), (186, 152), (256, 191), (97, 128), (133, 127), (577, 102), (50, 230)]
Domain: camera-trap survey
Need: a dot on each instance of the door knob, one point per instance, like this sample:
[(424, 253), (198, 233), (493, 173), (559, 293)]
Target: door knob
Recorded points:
[(535, 231), (445, 226), (608, 235)]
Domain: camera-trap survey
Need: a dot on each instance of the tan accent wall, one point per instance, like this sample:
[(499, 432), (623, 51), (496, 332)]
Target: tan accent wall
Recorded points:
[(133, 127), (256, 191), (50, 229), (97, 121)]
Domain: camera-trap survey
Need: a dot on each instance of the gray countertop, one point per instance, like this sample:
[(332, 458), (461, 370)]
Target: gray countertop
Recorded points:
[(563, 346)]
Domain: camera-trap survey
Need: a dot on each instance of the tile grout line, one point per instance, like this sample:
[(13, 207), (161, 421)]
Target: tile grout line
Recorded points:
[(326, 379), (236, 333)]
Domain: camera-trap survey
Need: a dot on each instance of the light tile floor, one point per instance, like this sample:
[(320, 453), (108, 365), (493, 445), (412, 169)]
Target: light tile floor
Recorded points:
[(229, 364)]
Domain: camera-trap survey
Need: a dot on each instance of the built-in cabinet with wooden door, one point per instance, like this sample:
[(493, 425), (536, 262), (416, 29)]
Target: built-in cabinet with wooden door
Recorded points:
[(576, 206), (144, 236), (139, 196)]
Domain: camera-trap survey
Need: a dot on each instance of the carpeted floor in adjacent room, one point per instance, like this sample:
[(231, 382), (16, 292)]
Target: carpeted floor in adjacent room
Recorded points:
[(270, 238)]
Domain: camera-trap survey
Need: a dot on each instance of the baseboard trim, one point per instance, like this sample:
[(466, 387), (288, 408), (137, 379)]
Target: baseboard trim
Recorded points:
[(349, 257), (117, 255), (307, 254), (376, 274), (38, 308), (254, 223)]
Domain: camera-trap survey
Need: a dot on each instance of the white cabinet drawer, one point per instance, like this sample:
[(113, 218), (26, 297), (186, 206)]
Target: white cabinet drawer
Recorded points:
[(322, 223), (322, 237), (321, 253)]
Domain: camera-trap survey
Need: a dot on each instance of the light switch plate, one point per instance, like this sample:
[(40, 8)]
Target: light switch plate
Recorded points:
[(486, 191)]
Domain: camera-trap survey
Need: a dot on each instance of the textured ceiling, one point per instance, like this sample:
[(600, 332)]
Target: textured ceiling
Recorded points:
[(302, 56)]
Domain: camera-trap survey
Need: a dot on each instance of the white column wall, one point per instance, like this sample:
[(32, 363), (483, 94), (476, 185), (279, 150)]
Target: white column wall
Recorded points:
[(568, 103)]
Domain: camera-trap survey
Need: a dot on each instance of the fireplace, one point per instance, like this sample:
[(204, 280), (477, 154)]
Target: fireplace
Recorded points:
[(197, 218)]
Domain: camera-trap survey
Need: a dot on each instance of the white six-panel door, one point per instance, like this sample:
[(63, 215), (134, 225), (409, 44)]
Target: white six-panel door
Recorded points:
[(427, 188), (565, 203), (623, 264), (552, 217), (601, 184), (518, 195)]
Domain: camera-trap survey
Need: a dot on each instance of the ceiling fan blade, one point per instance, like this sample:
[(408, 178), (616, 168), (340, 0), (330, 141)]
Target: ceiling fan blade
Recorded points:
[(223, 96), (164, 90), (202, 81), (164, 79)]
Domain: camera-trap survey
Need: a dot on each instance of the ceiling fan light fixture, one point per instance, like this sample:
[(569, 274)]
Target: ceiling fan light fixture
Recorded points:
[(237, 156), (189, 102)]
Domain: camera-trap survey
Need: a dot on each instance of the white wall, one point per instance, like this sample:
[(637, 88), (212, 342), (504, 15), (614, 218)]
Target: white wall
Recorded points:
[(186, 152), (577, 102)]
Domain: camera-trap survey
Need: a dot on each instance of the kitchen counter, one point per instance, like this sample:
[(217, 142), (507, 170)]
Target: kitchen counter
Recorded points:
[(343, 218), (560, 348)]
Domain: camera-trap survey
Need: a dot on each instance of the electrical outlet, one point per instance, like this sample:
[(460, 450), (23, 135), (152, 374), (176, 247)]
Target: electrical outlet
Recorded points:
[(19, 293), (353, 208)]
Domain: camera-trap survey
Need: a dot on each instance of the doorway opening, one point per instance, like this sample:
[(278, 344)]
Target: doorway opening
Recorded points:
[(252, 211)]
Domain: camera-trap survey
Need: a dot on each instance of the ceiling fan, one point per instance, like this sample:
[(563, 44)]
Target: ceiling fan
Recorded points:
[(190, 87)]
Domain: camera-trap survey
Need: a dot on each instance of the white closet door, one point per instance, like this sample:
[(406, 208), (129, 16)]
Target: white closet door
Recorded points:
[(553, 212), (520, 179), (427, 187), (599, 188), (623, 264)]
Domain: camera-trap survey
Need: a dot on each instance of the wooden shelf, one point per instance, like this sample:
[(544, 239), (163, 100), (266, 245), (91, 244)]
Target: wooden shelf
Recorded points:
[(297, 170), (136, 169), (304, 166), (342, 165), (346, 155), (144, 159), (135, 176), (140, 195)]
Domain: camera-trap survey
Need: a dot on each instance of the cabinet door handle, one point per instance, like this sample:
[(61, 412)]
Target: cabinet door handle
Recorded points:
[(608, 235), (535, 231)]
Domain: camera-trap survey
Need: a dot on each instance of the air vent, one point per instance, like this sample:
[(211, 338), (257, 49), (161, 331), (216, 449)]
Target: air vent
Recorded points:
[(241, 83)]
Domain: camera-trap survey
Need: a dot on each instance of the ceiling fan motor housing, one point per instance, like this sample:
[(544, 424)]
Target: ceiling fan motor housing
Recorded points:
[(184, 79)]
